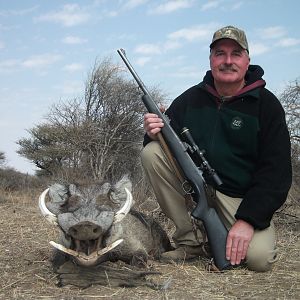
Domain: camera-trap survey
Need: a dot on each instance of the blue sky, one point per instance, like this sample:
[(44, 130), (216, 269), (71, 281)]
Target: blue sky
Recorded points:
[(47, 49)]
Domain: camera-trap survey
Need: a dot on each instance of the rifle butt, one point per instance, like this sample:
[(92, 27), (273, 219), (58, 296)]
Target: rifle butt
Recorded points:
[(217, 236)]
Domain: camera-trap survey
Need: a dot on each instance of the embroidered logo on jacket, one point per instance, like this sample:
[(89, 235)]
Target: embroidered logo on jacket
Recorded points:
[(236, 123)]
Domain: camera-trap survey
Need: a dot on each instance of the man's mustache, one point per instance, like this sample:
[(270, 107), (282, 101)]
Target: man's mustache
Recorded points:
[(228, 68)]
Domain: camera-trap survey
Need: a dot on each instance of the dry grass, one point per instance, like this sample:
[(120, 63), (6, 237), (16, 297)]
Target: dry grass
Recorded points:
[(26, 272)]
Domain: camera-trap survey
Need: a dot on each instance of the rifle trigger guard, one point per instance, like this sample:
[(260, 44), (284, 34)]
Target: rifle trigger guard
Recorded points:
[(187, 187)]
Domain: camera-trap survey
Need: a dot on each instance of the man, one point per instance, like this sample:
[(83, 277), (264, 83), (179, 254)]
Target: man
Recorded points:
[(241, 126)]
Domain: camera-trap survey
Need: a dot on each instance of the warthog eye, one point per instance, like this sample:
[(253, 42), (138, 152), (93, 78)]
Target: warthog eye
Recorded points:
[(73, 203)]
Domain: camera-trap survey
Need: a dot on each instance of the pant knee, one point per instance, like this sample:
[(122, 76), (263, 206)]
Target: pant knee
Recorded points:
[(147, 154), (150, 155), (261, 260)]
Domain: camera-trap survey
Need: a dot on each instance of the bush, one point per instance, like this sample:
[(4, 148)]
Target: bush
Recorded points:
[(12, 180)]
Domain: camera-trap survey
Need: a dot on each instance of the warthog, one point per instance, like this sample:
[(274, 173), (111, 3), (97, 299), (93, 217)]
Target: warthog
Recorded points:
[(98, 224)]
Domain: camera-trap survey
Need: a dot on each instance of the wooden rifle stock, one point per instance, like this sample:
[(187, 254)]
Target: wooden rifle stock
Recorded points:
[(215, 229)]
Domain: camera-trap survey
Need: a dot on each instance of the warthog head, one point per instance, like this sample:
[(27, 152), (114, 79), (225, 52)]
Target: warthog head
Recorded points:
[(97, 224)]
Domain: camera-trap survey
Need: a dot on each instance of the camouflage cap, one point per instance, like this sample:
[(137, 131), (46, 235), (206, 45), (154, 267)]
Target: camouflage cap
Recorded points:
[(233, 33)]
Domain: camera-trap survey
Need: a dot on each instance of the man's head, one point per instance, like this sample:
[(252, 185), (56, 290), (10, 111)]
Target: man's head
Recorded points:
[(233, 33), (229, 58)]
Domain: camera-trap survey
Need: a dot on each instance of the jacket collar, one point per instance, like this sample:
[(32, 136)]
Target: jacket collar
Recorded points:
[(245, 90), (253, 79)]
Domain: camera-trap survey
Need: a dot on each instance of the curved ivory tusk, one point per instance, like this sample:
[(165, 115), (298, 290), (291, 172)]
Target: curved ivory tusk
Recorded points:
[(83, 256), (121, 214), (51, 217)]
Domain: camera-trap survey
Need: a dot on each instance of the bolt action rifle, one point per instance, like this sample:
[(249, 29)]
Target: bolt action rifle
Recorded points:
[(215, 229)]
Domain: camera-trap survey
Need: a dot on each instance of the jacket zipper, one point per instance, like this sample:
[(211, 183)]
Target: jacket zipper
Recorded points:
[(219, 103)]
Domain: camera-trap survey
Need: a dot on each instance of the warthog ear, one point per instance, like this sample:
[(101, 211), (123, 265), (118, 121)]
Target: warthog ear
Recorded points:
[(123, 183), (59, 193), (105, 188), (117, 192)]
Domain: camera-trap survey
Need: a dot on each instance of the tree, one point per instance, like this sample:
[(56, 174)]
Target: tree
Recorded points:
[(45, 148), (290, 99), (98, 136), (2, 158)]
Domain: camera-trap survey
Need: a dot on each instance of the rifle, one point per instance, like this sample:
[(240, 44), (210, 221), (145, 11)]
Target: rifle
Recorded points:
[(215, 229)]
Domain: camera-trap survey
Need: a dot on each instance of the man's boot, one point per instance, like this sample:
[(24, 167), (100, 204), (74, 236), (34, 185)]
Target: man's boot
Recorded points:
[(183, 253)]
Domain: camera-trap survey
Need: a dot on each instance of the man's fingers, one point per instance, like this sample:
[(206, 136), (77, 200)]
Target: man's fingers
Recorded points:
[(228, 247), (237, 251), (152, 123), (239, 254), (234, 251), (238, 240), (245, 249), (154, 130), (154, 126)]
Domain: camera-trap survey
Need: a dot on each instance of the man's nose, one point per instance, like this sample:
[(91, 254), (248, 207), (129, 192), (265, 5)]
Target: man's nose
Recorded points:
[(228, 60)]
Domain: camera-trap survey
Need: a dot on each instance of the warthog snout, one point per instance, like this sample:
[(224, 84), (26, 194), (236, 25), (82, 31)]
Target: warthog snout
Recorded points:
[(85, 231)]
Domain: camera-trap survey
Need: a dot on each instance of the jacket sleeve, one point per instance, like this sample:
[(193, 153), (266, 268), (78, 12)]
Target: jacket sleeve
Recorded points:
[(273, 175), (146, 140)]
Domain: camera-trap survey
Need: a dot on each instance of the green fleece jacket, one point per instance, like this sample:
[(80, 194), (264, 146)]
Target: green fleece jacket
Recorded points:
[(245, 139)]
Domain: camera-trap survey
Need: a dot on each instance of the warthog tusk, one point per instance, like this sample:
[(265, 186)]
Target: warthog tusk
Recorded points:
[(121, 214), (83, 256), (51, 217)]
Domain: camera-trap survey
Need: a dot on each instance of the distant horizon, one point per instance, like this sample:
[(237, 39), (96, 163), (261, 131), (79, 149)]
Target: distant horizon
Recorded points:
[(49, 47)]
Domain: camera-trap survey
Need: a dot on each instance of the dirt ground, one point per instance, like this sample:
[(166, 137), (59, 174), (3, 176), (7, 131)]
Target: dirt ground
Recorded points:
[(26, 271)]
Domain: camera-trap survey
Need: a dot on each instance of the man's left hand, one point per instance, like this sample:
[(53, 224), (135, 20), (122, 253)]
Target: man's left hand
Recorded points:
[(238, 240)]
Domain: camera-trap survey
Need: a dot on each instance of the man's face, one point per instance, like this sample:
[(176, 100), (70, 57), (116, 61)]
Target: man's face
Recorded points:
[(228, 61)]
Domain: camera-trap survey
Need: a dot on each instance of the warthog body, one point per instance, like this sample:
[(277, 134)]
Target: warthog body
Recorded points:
[(98, 224)]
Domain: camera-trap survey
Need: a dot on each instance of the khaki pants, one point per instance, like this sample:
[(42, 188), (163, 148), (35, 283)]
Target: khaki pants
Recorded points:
[(170, 196)]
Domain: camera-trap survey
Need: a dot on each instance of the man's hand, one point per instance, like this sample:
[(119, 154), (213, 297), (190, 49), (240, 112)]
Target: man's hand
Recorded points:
[(152, 125), (238, 240)]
